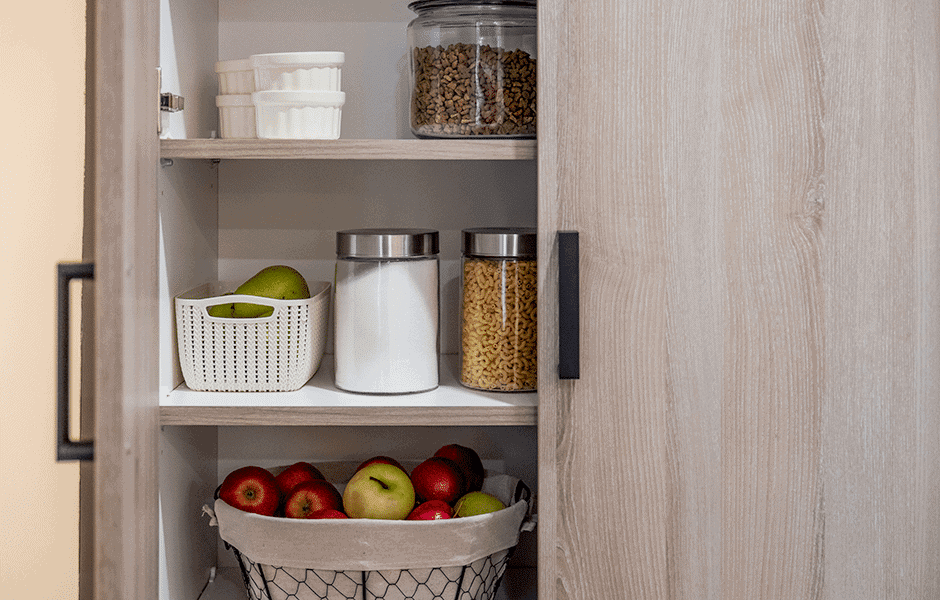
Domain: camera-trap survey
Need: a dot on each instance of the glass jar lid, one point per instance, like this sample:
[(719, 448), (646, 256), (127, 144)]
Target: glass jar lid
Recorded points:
[(419, 5), (500, 242), (386, 243)]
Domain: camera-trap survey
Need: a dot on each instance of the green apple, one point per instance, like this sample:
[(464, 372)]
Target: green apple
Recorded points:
[(477, 503), (278, 281), (379, 491)]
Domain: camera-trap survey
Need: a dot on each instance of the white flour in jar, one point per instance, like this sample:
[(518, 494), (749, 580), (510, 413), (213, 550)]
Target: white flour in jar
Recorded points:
[(386, 329)]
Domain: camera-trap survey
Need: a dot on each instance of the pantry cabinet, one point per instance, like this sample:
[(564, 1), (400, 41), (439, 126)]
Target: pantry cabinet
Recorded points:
[(756, 192)]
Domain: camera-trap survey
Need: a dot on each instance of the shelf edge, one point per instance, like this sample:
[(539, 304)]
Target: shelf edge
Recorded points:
[(463, 149), (351, 416)]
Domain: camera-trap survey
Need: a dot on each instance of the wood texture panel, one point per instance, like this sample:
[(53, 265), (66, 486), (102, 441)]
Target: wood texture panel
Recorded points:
[(126, 417), (349, 149), (756, 186), (880, 418), (375, 416)]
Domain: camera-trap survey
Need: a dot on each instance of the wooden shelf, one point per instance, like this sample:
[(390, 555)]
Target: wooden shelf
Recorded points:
[(411, 149), (319, 402)]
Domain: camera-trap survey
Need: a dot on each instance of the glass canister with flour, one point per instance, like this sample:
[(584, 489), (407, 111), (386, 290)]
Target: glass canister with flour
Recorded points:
[(386, 310), (498, 324)]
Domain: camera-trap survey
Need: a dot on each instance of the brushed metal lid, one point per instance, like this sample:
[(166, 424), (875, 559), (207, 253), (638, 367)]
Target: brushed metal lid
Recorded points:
[(500, 242), (386, 243)]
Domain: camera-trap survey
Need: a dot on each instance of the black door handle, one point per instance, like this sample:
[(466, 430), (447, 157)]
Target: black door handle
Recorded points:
[(66, 448), (569, 307)]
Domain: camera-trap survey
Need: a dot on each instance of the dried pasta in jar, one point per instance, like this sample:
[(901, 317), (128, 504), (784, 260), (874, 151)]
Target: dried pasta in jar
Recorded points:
[(499, 310)]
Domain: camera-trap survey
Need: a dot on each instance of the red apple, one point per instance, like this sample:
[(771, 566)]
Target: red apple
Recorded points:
[(310, 496), (294, 474), (251, 489), (328, 513), (438, 478), (469, 462), (386, 460), (431, 510)]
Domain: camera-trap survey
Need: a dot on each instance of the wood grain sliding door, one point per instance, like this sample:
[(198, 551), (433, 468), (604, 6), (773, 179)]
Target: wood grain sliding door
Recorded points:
[(126, 338), (757, 189)]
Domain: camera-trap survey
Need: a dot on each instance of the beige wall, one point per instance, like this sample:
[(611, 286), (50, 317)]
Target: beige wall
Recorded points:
[(41, 161)]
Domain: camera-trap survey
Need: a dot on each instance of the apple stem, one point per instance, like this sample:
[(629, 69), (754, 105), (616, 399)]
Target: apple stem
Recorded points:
[(381, 483)]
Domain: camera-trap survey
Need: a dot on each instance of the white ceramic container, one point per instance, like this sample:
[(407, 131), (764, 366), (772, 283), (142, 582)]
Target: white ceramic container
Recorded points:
[(298, 115), (236, 116), (308, 71), (235, 77)]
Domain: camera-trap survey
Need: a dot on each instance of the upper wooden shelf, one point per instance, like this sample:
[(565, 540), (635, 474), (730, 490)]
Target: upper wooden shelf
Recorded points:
[(462, 149), (319, 402)]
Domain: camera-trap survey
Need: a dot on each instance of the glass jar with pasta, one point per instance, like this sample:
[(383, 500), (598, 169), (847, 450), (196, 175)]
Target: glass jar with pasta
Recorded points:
[(498, 310)]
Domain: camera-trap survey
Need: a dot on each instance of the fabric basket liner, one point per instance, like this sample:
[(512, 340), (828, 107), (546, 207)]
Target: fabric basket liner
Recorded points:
[(373, 544)]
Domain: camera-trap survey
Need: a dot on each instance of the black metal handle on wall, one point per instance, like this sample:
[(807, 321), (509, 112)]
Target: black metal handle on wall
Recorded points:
[(569, 332), (66, 448)]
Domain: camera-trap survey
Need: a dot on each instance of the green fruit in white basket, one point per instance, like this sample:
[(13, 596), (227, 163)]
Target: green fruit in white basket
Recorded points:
[(224, 311), (278, 281), (379, 491), (477, 503)]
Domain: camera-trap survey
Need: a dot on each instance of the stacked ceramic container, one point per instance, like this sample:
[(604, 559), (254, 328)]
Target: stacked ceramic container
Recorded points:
[(297, 95), (236, 110)]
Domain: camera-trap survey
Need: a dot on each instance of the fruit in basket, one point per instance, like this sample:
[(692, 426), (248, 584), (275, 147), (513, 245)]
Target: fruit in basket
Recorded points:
[(225, 311), (311, 496), (277, 281), (438, 478), (379, 491), (382, 459), (295, 474), (469, 462), (328, 513), (431, 510), (251, 489), (477, 503)]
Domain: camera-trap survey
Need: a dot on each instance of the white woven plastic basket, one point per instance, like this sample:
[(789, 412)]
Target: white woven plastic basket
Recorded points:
[(278, 353)]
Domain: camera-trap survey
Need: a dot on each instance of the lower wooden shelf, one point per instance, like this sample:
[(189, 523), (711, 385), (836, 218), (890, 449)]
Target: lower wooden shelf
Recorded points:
[(319, 402), (518, 584)]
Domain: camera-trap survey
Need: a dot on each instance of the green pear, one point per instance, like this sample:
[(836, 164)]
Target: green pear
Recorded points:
[(278, 281), (477, 503), (224, 311)]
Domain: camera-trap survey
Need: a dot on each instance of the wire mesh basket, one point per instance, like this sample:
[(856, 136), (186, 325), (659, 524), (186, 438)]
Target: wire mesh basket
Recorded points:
[(478, 580), (366, 559), (276, 353)]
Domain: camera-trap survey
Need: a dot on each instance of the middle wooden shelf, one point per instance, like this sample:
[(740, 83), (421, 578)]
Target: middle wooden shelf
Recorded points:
[(320, 402), (351, 149)]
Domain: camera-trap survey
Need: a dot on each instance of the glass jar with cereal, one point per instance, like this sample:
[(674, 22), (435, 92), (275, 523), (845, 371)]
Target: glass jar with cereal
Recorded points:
[(473, 68), (498, 340)]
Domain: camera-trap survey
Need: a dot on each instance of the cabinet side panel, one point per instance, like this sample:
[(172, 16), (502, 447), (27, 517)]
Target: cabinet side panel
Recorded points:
[(188, 457), (188, 248), (126, 414), (189, 48)]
